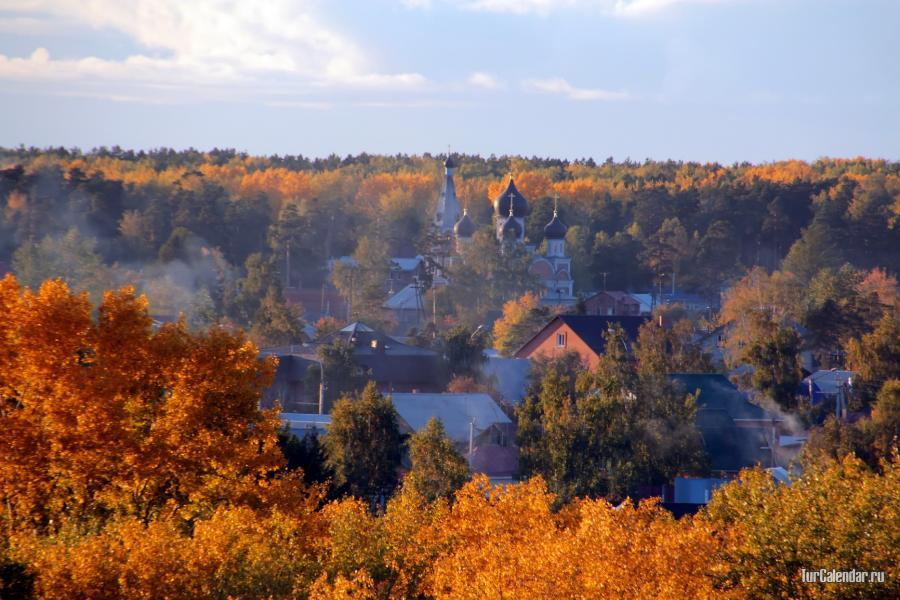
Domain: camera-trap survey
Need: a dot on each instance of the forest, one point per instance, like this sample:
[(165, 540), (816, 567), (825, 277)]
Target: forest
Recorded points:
[(208, 234)]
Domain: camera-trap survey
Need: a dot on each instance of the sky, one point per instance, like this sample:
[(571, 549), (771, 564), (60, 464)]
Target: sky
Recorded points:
[(703, 80)]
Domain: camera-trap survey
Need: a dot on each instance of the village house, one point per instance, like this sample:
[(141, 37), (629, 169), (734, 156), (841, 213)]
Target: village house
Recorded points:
[(583, 334), (737, 434), (614, 304), (479, 429), (393, 365)]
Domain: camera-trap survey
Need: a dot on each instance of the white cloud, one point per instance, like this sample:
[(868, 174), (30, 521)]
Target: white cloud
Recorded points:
[(484, 80), (620, 8), (203, 42), (640, 8), (562, 87), (519, 6)]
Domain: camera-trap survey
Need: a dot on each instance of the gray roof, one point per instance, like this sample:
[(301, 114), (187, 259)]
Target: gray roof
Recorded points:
[(455, 411), (717, 393), (827, 381), (719, 405), (407, 264), (301, 424), (511, 376), (406, 299)]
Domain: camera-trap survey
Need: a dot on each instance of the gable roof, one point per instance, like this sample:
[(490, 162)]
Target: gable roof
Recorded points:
[(367, 341), (827, 381), (406, 299), (719, 405), (456, 412), (717, 393), (590, 328)]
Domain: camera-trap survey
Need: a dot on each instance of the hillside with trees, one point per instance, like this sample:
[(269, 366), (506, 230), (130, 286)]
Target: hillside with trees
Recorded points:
[(218, 236)]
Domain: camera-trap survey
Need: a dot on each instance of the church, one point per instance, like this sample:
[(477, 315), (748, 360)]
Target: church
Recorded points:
[(553, 268)]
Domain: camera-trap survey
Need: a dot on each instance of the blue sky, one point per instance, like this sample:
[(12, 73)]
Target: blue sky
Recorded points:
[(707, 80)]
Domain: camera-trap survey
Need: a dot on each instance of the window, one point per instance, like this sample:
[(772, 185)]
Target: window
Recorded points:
[(560, 340)]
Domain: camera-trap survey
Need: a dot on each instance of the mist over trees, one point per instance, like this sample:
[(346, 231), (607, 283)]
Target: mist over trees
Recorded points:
[(208, 234)]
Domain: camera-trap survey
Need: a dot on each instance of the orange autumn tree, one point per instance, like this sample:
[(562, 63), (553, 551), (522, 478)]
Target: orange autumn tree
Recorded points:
[(509, 540), (522, 318), (103, 416)]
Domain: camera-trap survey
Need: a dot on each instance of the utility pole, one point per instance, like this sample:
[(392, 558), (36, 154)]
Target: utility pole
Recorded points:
[(434, 309), (287, 250), (322, 388), (327, 257), (350, 300), (659, 299)]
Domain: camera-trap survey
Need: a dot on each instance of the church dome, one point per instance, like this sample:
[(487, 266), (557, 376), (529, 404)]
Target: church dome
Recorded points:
[(464, 228), (512, 228), (555, 229), (510, 197), (450, 163)]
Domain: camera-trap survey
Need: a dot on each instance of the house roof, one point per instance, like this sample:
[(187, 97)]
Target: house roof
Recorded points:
[(734, 448), (618, 296), (368, 341), (456, 412), (686, 298), (390, 361), (406, 299), (717, 393), (827, 381), (301, 424), (719, 405), (407, 264), (590, 328)]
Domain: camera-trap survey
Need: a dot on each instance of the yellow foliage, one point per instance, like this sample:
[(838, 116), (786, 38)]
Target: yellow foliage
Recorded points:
[(105, 415)]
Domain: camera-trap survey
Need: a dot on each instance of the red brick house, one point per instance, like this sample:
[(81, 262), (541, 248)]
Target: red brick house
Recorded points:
[(619, 304), (579, 333)]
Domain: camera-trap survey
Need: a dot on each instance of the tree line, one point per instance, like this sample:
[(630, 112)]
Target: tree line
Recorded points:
[(208, 233)]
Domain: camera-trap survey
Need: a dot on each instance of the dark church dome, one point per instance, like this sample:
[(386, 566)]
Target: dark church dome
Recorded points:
[(512, 228), (510, 196), (464, 228), (555, 229)]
